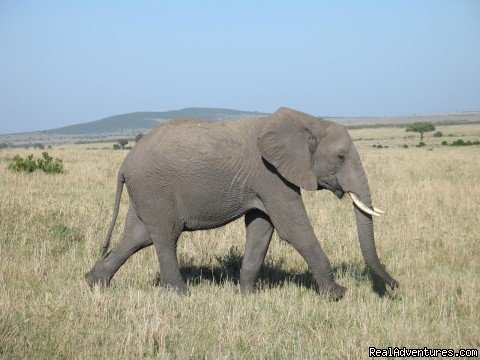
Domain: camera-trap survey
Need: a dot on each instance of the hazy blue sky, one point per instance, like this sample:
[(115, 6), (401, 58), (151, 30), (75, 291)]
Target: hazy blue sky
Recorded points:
[(68, 62)]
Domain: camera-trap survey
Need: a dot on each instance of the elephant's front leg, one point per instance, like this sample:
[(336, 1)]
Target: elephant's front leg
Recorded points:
[(290, 218), (259, 234)]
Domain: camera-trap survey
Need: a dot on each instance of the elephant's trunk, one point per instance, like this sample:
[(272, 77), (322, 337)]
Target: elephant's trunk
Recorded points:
[(354, 181), (367, 245)]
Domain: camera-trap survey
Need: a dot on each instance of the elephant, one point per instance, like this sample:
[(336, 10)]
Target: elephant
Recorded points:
[(188, 174)]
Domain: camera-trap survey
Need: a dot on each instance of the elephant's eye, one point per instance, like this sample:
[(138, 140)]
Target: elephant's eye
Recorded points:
[(341, 157)]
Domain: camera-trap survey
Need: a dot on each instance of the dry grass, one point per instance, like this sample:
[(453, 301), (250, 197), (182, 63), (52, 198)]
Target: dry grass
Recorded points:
[(52, 227)]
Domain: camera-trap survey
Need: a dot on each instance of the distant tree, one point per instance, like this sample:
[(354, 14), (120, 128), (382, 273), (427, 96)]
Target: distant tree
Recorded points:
[(138, 137), (122, 142), (438, 134), (421, 127), (38, 146)]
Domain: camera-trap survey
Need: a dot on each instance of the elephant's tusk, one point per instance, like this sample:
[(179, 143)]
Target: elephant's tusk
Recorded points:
[(361, 205), (378, 210)]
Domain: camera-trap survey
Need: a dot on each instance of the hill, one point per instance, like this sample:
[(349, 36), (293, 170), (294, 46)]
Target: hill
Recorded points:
[(148, 120), (129, 125)]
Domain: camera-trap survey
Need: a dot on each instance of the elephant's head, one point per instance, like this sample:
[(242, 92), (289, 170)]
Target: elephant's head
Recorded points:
[(316, 154)]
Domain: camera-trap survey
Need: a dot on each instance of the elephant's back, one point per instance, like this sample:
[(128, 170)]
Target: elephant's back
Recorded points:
[(189, 138), (192, 145)]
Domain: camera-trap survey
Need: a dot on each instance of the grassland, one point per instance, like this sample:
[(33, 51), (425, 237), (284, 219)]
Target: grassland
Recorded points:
[(52, 227)]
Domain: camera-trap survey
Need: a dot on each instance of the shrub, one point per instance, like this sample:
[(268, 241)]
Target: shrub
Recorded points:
[(122, 142), (47, 164), (38, 146), (116, 147), (28, 164), (444, 142), (420, 144), (461, 142), (405, 146), (438, 134), (138, 137)]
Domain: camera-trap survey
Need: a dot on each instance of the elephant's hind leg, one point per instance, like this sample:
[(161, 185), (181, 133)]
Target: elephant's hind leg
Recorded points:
[(259, 234), (135, 238), (165, 236)]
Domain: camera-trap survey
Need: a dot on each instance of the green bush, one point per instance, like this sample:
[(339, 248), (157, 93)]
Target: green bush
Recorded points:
[(405, 146), (29, 164), (47, 164), (420, 144), (444, 142), (461, 142), (122, 142), (438, 134), (119, 147)]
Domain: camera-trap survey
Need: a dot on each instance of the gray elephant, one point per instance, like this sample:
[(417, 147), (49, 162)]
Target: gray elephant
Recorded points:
[(188, 175)]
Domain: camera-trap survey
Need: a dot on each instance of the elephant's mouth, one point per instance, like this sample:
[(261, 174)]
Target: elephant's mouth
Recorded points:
[(337, 191)]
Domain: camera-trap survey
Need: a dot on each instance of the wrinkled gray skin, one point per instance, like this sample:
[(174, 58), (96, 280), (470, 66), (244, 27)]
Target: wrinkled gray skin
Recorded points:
[(188, 175)]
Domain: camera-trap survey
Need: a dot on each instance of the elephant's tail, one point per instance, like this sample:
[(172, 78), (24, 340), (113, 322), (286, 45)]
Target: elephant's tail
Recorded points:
[(118, 196)]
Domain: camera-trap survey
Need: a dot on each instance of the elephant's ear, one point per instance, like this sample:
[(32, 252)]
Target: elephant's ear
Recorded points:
[(287, 144)]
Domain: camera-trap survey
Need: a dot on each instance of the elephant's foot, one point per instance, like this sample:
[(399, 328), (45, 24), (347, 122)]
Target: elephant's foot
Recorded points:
[(247, 280), (246, 289), (333, 291), (97, 277), (179, 287)]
